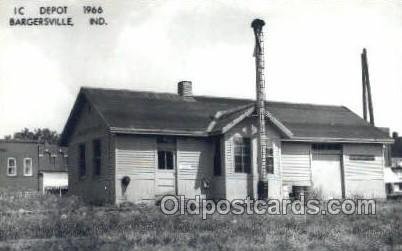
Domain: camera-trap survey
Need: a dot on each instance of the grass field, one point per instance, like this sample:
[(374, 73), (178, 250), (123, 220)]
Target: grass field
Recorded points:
[(50, 223)]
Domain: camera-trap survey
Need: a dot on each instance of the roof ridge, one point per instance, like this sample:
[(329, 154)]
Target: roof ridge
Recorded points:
[(124, 89), (269, 101), (210, 96)]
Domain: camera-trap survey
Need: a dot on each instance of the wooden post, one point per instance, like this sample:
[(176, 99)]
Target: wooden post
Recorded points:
[(364, 89), (367, 81), (257, 25)]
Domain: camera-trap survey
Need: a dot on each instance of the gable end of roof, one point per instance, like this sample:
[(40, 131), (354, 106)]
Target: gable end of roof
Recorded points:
[(74, 116)]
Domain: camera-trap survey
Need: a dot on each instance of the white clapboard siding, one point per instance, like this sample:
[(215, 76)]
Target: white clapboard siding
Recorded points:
[(89, 127), (194, 162), (239, 186), (275, 179), (165, 182), (136, 158), (363, 169), (228, 155), (295, 164), (276, 146), (364, 177)]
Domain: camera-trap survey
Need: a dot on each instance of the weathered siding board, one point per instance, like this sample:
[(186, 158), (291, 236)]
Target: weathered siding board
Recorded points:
[(218, 184), (91, 187), (89, 127), (361, 169), (364, 178), (195, 163), (275, 179), (229, 156), (218, 188), (140, 161), (241, 185), (135, 158), (112, 167), (295, 164)]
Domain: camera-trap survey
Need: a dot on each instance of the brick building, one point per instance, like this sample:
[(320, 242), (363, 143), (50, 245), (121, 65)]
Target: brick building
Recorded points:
[(32, 166)]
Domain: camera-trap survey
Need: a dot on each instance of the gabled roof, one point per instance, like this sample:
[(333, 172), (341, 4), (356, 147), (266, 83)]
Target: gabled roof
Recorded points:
[(126, 111)]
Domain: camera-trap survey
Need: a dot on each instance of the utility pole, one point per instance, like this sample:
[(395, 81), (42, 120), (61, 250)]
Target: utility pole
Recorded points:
[(366, 89), (257, 25)]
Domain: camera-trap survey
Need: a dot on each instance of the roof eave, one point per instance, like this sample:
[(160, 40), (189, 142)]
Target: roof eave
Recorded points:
[(282, 128), (339, 140), (237, 120), (119, 130)]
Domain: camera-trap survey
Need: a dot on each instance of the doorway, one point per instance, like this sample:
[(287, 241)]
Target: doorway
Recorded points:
[(166, 168), (326, 171)]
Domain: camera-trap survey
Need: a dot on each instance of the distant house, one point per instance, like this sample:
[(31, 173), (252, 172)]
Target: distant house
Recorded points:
[(29, 166), (135, 146), (393, 174)]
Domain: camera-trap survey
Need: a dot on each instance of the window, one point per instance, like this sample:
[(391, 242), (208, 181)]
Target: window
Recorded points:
[(362, 157), (217, 158), (165, 160), (11, 167), (28, 167), (97, 157), (242, 155), (327, 147), (53, 158), (65, 161), (387, 155), (270, 161), (166, 140), (82, 162)]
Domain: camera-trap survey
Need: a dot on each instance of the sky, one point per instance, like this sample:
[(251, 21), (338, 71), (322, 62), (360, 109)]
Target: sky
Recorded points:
[(312, 52)]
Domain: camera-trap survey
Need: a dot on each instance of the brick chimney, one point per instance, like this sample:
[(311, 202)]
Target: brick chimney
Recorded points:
[(185, 89), (395, 135)]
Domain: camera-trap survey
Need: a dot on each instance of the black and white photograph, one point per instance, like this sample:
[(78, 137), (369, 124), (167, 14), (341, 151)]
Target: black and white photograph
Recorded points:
[(200, 125)]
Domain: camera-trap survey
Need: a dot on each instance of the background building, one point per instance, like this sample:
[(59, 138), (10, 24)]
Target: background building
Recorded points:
[(29, 166), (393, 173)]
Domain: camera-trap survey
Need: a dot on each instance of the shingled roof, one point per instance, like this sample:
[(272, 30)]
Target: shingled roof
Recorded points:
[(126, 111)]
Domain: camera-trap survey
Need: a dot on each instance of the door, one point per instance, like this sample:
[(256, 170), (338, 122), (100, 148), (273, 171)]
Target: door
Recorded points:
[(166, 173), (326, 175)]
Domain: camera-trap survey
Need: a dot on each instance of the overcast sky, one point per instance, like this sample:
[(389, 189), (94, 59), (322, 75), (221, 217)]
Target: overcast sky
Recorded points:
[(312, 54)]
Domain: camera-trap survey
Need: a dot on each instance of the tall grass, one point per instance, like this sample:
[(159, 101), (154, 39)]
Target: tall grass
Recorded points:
[(54, 223)]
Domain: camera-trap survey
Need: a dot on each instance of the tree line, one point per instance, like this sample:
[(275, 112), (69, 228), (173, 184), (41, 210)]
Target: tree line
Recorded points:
[(41, 135)]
